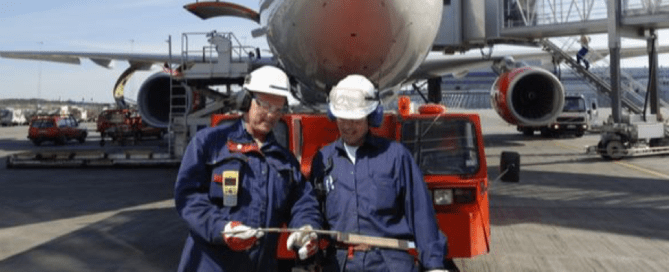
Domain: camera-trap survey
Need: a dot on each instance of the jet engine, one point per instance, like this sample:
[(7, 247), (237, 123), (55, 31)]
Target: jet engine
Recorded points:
[(153, 99), (528, 96)]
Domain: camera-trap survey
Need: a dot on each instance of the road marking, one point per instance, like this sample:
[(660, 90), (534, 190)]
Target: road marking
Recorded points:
[(19, 239), (647, 171), (631, 166)]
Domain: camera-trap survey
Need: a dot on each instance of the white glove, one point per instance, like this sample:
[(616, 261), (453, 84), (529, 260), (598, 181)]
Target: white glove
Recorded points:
[(240, 237), (306, 240)]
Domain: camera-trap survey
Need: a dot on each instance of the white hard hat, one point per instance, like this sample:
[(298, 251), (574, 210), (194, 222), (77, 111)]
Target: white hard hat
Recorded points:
[(269, 80), (354, 97)]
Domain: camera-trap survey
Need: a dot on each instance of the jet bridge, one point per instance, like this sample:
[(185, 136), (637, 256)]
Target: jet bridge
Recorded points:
[(464, 26)]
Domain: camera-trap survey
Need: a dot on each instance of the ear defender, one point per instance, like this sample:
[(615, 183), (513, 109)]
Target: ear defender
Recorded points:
[(244, 101), (330, 115), (375, 118)]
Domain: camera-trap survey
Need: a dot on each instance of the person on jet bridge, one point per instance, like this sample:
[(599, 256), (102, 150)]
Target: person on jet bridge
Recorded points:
[(580, 56), (372, 186), (236, 178)]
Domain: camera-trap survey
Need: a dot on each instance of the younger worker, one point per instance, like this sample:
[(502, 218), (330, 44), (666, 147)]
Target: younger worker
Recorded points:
[(237, 178), (372, 186)]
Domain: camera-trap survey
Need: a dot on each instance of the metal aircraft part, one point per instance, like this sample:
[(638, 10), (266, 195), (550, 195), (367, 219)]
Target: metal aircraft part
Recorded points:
[(527, 96), (153, 99), (320, 42), (206, 10)]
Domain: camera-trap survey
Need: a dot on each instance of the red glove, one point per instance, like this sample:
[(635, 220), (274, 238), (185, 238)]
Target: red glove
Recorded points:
[(240, 237)]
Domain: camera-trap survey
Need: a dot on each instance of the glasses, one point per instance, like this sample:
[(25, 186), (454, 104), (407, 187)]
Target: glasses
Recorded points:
[(269, 108)]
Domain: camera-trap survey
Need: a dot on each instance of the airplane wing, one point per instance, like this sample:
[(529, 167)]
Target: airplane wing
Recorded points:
[(460, 65), (144, 61)]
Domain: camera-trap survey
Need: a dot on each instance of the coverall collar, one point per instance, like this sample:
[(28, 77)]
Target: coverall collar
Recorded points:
[(370, 141)]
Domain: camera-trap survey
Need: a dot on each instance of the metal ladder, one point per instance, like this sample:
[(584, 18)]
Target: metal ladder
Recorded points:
[(629, 99)]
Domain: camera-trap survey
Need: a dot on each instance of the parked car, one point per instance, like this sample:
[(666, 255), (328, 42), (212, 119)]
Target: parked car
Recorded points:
[(56, 128)]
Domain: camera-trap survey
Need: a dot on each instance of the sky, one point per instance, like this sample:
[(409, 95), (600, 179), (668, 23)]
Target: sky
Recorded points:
[(120, 26)]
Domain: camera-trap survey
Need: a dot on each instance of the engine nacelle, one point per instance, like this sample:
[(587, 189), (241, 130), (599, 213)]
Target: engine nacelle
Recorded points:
[(528, 96), (153, 100)]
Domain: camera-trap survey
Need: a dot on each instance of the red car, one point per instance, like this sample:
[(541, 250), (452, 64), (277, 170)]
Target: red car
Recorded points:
[(56, 128)]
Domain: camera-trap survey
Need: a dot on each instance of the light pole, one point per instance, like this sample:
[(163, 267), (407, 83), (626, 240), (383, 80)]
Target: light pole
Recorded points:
[(39, 78)]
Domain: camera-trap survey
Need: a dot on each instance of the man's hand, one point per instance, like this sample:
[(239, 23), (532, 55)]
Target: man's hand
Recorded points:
[(305, 240), (240, 237)]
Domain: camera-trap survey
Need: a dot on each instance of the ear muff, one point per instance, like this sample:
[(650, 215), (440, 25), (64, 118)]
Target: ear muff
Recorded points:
[(244, 101), (375, 118), (330, 115)]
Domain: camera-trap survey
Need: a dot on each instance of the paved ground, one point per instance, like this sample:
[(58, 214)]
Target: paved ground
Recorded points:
[(569, 212)]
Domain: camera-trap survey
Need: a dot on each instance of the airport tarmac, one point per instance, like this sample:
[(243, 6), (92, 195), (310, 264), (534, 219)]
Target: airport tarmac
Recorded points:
[(569, 212)]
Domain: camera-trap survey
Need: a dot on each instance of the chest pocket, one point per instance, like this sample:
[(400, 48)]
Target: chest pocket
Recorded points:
[(282, 182), (234, 163), (386, 196)]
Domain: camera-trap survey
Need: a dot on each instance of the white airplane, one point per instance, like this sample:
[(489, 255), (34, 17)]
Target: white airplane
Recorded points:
[(320, 42)]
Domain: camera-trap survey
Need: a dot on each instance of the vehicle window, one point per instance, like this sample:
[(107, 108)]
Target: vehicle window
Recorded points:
[(574, 104), (442, 146), (62, 123), (42, 123)]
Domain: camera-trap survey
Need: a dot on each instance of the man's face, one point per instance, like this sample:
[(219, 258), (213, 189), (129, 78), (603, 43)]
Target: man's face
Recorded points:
[(265, 111), (353, 131)]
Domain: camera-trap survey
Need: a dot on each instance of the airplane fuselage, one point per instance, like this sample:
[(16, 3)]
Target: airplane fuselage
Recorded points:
[(320, 42)]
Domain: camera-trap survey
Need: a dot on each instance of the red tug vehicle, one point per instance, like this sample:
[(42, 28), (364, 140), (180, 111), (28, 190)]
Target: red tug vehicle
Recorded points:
[(123, 124)]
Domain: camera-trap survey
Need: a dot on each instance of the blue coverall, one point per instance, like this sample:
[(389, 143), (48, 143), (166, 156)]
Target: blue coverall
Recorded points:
[(272, 191), (383, 195)]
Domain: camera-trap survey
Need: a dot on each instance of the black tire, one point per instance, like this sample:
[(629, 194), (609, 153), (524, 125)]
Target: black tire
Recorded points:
[(510, 162), (61, 140), (580, 133), (37, 142), (82, 138), (528, 132), (545, 132), (615, 150)]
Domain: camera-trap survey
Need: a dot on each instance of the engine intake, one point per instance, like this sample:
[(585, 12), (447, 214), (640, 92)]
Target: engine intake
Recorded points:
[(528, 96), (153, 100)]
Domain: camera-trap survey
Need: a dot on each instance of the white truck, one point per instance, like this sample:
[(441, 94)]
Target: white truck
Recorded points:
[(576, 118), (5, 117)]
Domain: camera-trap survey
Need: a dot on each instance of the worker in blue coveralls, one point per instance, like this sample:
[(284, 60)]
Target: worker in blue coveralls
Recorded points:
[(580, 56), (372, 186), (236, 179)]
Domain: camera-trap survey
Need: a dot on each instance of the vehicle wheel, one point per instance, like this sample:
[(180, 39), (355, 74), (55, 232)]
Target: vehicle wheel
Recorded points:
[(61, 140), (546, 133), (37, 142), (510, 162), (102, 142), (528, 131), (82, 138), (615, 150), (580, 133), (601, 149)]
